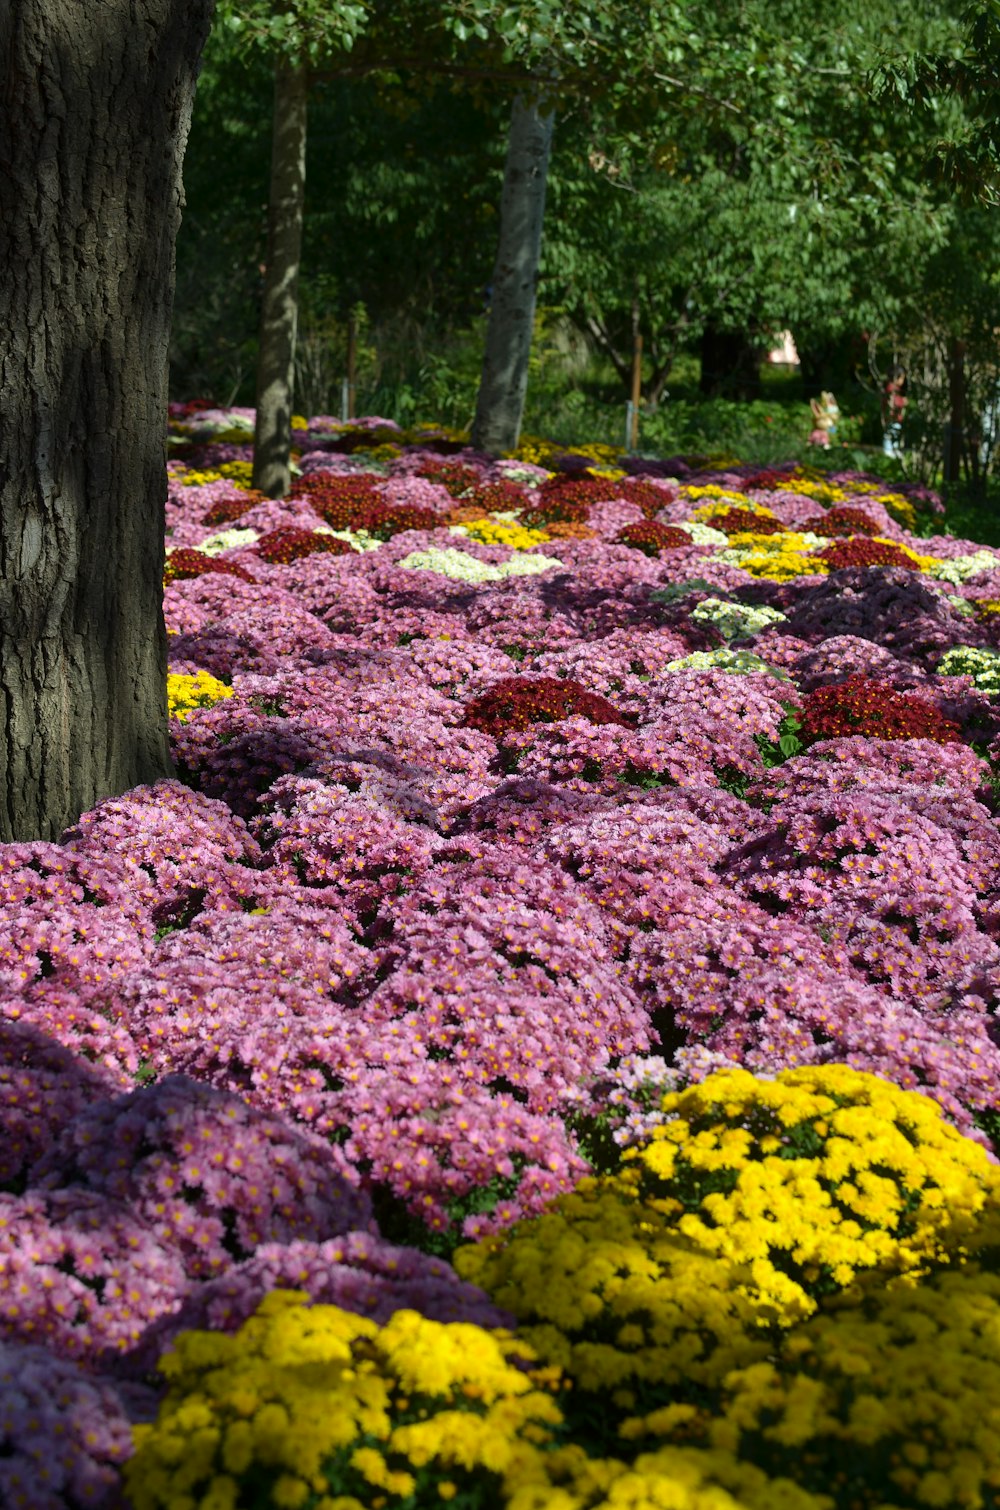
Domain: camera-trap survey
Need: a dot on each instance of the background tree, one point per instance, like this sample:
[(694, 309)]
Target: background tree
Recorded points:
[(306, 33), (97, 105), (503, 383), (545, 52), (767, 190)]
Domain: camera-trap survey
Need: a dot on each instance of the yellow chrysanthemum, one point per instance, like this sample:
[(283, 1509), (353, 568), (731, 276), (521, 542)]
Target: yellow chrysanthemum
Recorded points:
[(186, 693)]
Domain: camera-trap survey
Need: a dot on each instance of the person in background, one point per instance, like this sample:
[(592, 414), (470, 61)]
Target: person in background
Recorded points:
[(893, 409)]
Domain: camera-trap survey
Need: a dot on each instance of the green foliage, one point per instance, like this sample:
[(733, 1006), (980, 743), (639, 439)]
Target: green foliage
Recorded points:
[(788, 743), (307, 28), (965, 158)]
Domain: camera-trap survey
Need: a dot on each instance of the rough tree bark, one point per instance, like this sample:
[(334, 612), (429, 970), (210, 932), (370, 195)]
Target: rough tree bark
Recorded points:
[(280, 301), (95, 104), (504, 381)]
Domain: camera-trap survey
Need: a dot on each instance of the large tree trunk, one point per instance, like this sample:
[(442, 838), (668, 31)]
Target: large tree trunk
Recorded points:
[(280, 303), (504, 381), (96, 104)]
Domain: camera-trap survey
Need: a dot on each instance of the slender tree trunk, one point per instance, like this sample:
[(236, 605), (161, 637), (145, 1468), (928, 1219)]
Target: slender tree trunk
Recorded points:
[(955, 429), (95, 104), (504, 381), (280, 303)]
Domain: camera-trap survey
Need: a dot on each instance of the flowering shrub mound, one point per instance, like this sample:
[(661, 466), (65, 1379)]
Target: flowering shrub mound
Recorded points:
[(213, 1178), (858, 551), (185, 563), (891, 1405), (737, 521), (382, 521), (564, 506), (280, 547), (456, 476), (82, 1274), (186, 693), (43, 1086), (228, 510), (842, 521), (869, 707), (341, 500), (495, 497), (65, 1431), (665, 1289), (515, 703), (312, 1398), (651, 537)]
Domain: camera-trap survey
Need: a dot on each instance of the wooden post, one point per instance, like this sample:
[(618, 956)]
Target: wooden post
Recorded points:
[(633, 439), (352, 348)]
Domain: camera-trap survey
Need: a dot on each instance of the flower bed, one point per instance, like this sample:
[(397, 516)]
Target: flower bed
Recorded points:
[(593, 874)]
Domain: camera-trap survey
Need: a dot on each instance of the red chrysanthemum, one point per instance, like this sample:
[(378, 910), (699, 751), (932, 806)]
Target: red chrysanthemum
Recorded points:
[(228, 510), (743, 522), (645, 495), (842, 521), (869, 707), (384, 520), (181, 565), (860, 551), (343, 502), (517, 702), (496, 497), (651, 538), (453, 475), (283, 546), (768, 480), (555, 508)]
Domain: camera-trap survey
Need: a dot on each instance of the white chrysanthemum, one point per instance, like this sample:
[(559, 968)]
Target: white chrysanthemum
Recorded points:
[(732, 619), (358, 540), (464, 568), (702, 534), (968, 660), (737, 662), (960, 568), (227, 540)]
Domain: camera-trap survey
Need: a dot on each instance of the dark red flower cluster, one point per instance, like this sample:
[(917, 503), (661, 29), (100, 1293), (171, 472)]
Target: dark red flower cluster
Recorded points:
[(744, 521), (842, 521), (517, 702), (568, 499), (352, 503), (340, 500), (869, 707), (496, 497), (581, 486), (453, 475), (645, 495), (228, 510), (183, 564), (651, 538), (281, 547), (384, 520), (550, 507), (768, 479), (859, 551), (195, 406)]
